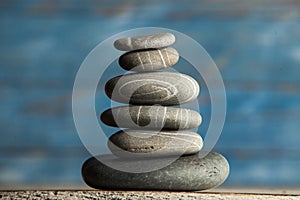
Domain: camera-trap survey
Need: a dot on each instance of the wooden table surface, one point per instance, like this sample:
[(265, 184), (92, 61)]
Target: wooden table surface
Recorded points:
[(224, 194)]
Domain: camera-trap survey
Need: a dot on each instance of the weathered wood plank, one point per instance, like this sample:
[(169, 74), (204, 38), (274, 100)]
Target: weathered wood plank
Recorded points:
[(148, 195)]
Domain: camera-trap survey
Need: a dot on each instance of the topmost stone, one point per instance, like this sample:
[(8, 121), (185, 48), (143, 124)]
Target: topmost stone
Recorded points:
[(153, 41)]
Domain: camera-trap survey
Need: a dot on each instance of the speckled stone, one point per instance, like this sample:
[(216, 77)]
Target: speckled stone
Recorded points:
[(164, 88), (151, 117), (149, 60), (150, 143), (153, 41), (186, 173)]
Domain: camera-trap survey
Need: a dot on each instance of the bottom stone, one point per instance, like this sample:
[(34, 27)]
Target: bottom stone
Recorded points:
[(186, 173)]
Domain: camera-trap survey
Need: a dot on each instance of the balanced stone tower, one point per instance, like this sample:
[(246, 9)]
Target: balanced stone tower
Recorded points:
[(153, 129)]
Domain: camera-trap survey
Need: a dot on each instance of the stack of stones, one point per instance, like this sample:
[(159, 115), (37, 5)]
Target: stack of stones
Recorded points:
[(153, 128)]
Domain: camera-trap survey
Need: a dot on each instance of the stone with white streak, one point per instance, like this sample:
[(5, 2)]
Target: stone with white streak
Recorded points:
[(149, 60), (149, 88), (151, 117), (151, 143), (153, 41)]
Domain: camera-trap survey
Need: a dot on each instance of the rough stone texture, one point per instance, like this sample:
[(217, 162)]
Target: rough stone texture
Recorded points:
[(151, 117), (137, 195), (153, 41), (186, 173), (164, 88), (149, 60), (149, 142)]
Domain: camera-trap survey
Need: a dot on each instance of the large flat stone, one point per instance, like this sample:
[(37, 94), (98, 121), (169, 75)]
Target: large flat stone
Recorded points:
[(186, 173)]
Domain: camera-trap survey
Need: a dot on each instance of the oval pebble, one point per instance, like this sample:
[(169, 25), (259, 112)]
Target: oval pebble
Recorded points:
[(150, 143), (187, 173), (151, 117), (164, 88), (159, 40), (149, 60)]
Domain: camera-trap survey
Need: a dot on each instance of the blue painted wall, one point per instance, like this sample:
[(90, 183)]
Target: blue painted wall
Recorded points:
[(255, 45)]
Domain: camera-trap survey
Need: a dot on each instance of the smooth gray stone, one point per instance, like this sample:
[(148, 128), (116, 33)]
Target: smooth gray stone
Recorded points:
[(188, 173), (153, 41), (151, 117), (164, 88), (149, 60), (150, 143)]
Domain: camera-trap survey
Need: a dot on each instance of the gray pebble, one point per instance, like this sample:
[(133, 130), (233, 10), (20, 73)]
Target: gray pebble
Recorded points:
[(144, 143), (186, 173), (164, 88), (145, 42), (151, 117), (149, 60)]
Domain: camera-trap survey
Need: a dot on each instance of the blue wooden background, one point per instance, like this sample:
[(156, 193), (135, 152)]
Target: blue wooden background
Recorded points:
[(256, 45)]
